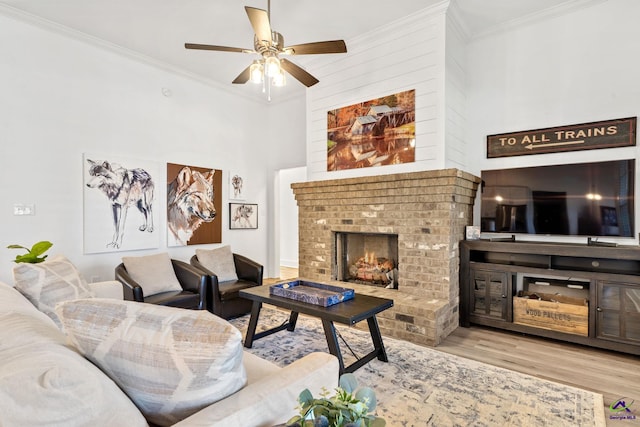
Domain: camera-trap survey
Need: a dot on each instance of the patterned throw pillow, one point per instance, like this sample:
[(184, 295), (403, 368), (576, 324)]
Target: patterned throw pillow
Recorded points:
[(154, 273), (219, 261), (47, 283), (171, 362)]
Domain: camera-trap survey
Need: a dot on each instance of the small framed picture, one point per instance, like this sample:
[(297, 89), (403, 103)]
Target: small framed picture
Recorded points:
[(243, 216), (237, 186), (473, 232)]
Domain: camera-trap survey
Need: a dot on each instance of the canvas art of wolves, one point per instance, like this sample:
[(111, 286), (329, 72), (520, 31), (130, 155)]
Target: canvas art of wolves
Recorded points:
[(123, 188), (190, 203), (242, 216)]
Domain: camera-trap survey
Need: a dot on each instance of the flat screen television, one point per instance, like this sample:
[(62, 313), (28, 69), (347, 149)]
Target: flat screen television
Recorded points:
[(582, 199)]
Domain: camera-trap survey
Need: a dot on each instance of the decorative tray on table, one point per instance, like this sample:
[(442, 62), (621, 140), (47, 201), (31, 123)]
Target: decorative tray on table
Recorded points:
[(312, 292)]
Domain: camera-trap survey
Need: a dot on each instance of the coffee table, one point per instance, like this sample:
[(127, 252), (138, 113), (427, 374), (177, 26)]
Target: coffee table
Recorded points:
[(361, 307)]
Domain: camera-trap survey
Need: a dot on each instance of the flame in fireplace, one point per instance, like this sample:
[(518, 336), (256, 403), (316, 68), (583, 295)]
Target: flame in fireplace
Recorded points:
[(370, 258), (369, 268)]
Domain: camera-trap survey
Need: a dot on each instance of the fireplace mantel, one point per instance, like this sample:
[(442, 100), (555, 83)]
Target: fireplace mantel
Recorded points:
[(427, 210)]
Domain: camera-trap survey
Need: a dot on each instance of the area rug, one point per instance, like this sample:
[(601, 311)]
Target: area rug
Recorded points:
[(421, 386)]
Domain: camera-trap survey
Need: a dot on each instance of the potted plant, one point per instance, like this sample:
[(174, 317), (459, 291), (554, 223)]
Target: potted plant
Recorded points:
[(351, 406), (33, 255)]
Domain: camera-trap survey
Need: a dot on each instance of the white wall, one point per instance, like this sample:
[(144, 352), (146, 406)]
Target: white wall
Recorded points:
[(286, 149), (62, 97), (288, 215), (406, 54), (575, 68), (455, 116)]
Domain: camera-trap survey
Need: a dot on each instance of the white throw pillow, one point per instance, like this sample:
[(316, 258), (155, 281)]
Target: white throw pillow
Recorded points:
[(171, 362), (219, 261), (44, 382), (154, 273), (47, 283)]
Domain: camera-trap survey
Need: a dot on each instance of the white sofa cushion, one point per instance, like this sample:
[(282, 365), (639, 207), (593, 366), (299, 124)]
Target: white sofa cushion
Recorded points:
[(171, 362), (47, 283), (219, 261), (272, 398), (154, 273), (43, 382), (107, 289)]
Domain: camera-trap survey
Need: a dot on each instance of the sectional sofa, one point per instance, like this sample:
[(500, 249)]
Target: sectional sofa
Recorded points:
[(74, 373)]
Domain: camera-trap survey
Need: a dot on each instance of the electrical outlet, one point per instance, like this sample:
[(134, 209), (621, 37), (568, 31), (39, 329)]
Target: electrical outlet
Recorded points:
[(21, 209), (95, 279)]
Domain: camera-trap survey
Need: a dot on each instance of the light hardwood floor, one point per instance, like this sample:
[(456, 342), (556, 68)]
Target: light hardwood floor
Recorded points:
[(614, 375), (285, 273)]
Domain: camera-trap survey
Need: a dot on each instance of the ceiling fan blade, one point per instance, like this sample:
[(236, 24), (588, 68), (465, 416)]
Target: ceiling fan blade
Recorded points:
[(305, 78), (219, 48), (243, 77), (260, 23), (332, 46)]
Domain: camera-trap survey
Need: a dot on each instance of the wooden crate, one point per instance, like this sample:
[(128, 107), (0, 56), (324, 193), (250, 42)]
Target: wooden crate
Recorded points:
[(552, 312)]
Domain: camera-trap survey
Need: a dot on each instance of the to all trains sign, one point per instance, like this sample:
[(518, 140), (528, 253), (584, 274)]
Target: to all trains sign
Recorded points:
[(585, 136)]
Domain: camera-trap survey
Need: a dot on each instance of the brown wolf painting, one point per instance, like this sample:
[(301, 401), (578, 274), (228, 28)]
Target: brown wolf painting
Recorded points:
[(190, 203)]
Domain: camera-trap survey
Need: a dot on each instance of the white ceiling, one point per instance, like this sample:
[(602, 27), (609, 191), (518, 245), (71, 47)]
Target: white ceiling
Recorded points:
[(158, 29)]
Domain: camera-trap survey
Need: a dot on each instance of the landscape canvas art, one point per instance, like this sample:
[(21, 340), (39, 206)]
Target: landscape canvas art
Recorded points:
[(372, 133), (120, 203), (194, 199)]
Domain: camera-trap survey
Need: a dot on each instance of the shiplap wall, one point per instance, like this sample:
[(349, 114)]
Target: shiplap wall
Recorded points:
[(455, 95), (403, 55)]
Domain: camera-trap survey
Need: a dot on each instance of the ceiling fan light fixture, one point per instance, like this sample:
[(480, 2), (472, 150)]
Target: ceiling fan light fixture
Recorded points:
[(255, 72), (272, 66), (279, 79)]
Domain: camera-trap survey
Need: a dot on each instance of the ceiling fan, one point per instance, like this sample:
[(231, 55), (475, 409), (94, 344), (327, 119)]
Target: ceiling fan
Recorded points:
[(269, 44)]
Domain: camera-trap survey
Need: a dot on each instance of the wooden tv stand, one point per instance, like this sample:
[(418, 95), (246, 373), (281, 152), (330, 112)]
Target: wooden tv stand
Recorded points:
[(492, 273)]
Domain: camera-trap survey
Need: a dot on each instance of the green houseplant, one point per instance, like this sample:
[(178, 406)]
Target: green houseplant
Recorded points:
[(33, 255), (351, 406)]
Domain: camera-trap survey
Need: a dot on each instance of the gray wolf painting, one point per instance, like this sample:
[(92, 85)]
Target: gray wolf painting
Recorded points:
[(243, 215), (122, 188), (191, 205)]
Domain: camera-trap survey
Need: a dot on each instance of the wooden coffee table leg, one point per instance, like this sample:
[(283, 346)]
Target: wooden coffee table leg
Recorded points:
[(253, 323), (293, 319), (374, 330), (332, 341)]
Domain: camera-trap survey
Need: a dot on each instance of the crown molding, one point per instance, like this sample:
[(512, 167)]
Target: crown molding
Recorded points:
[(416, 18), (54, 27)]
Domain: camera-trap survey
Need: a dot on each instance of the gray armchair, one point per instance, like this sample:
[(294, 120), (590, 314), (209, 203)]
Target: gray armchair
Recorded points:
[(224, 300)]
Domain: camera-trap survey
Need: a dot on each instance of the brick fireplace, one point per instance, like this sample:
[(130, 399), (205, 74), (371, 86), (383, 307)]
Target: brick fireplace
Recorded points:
[(428, 212)]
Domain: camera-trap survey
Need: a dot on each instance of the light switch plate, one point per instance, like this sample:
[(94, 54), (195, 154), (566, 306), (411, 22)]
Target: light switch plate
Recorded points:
[(21, 209)]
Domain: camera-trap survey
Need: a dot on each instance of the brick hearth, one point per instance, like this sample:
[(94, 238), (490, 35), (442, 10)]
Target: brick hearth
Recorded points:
[(427, 210)]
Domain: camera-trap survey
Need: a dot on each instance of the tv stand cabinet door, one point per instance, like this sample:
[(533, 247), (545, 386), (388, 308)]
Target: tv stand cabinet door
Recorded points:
[(490, 294), (618, 311)]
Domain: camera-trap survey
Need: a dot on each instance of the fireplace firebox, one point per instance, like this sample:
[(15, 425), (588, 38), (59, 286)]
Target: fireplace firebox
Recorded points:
[(366, 258)]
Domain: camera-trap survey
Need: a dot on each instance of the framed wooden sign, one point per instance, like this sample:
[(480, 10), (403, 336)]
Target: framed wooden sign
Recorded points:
[(584, 136)]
